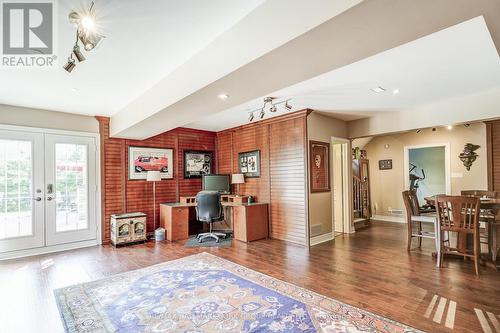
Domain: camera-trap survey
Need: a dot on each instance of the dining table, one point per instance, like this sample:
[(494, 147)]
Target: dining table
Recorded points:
[(485, 204)]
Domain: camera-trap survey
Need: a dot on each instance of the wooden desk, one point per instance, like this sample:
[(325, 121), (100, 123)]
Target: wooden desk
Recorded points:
[(250, 220)]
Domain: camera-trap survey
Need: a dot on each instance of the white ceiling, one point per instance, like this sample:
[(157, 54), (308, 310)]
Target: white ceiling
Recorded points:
[(456, 61), (146, 40)]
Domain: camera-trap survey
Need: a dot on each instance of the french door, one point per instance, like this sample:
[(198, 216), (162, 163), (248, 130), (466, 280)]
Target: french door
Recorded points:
[(47, 189)]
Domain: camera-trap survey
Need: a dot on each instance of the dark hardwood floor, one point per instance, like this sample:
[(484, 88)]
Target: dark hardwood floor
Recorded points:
[(370, 269)]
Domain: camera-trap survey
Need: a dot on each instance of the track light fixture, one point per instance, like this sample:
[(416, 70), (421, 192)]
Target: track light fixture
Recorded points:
[(70, 65), (271, 105), (86, 34), (78, 54)]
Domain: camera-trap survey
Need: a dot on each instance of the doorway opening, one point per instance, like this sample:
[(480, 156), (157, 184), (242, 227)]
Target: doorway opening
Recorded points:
[(428, 170), (342, 191)]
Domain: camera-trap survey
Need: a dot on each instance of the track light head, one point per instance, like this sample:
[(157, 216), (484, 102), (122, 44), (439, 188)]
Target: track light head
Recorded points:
[(288, 107), (467, 125), (262, 113), (70, 65), (89, 40), (273, 108), (419, 130), (78, 54), (250, 117)]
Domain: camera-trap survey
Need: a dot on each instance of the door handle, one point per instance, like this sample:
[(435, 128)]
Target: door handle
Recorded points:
[(37, 199)]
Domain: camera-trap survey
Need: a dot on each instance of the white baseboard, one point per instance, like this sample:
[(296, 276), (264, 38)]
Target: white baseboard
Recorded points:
[(389, 218), (47, 249), (321, 239)]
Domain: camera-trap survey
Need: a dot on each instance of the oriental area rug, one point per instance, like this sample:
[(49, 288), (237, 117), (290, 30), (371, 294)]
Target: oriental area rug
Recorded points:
[(205, 293)]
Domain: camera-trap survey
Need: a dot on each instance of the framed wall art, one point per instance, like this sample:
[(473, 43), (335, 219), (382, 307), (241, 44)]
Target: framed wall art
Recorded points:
[(249, 163), (319, 166), (197, 163), (144, 159), (385, 164)]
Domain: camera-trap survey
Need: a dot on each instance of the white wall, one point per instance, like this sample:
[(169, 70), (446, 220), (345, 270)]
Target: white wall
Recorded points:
[(387, 185), (322, 128), (12, 115)]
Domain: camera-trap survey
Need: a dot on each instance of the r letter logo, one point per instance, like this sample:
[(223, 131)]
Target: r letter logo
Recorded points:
[(27, 34)]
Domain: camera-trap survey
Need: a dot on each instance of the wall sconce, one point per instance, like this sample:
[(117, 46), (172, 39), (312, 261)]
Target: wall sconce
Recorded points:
[(469, 155)]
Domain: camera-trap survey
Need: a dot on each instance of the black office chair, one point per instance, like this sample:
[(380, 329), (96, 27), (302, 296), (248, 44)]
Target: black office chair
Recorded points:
[(209, 210)]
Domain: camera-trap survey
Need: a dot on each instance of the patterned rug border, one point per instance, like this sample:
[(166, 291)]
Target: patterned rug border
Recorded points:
[(68, 319)]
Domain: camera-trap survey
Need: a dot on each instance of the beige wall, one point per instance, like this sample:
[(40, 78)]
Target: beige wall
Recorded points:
[(387, 185), (12, 115), (322, 128)]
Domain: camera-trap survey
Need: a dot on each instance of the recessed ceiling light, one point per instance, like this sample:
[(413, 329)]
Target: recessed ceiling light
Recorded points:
[(223, 96), (378, 89), (395, 91)]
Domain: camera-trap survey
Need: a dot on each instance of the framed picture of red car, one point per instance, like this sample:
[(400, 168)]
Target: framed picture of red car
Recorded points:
[(144, 159)]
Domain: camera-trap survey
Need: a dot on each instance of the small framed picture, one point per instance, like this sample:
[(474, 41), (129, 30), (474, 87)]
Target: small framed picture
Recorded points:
[(144, 159), (385, 164), (249, 163), (197, 163), (319, 164)]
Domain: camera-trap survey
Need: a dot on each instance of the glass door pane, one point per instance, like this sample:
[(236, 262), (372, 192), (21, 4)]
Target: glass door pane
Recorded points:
[(16, 186), (21, 197), (71, 187)]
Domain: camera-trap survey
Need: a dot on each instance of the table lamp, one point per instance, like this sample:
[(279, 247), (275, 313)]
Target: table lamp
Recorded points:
[(154, 176), (237, 178)]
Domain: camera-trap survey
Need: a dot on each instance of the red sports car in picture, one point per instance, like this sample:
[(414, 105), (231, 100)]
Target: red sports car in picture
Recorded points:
[(151, 163)]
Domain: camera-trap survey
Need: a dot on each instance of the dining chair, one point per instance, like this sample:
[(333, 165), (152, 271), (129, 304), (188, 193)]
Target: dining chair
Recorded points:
[(414, 219), (459, 214), (488, 233)]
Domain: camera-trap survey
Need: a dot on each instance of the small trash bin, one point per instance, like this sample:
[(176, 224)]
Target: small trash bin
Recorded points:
[(159, 235)]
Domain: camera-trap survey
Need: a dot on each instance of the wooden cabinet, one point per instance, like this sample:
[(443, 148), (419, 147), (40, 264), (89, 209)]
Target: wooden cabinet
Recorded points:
[(128, 228), (250, 222)]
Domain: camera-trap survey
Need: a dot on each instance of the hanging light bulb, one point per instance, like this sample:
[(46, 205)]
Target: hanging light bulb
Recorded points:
[(70, 65)]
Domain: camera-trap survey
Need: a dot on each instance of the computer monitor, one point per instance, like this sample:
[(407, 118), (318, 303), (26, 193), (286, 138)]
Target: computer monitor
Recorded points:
[(219, 183)]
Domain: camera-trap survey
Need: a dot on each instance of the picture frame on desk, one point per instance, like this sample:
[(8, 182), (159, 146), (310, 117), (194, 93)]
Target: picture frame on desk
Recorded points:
[(197, 163), (144, 159), (249, 163)]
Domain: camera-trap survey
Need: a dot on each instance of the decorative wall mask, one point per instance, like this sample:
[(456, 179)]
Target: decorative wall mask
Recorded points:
[(469, 155)]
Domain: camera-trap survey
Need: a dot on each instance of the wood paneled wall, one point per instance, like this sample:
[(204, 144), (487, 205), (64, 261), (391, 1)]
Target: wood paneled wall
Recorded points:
[(120, 195), (282, 144), (493, 155)]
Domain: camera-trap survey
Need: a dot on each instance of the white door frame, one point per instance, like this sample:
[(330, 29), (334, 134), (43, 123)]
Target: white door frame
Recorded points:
[(347, 184), (97, 210), (447, 163)]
